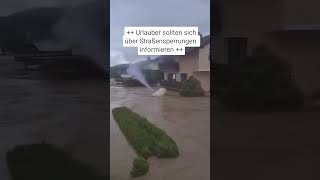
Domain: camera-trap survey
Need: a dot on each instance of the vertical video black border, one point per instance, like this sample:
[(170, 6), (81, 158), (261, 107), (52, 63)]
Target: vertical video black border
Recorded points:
[(212, 33), (108, 16)]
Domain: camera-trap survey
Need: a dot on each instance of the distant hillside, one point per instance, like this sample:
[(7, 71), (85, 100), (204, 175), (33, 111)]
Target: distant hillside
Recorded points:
[(117, 70)]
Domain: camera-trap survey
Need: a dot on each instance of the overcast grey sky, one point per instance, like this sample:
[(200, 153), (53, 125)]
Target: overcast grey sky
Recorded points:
[(152, 13)]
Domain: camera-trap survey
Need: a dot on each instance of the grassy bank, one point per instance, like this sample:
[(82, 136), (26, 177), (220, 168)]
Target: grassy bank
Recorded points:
[(145, 138)]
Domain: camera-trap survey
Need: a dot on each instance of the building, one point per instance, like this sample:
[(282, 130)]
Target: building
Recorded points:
[(169, 66), (194, 63), (290, 28)]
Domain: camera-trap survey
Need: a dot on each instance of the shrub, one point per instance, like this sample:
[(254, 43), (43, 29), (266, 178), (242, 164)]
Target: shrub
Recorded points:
[(191, 87), (44, 161), (262, 82), (140, 167)]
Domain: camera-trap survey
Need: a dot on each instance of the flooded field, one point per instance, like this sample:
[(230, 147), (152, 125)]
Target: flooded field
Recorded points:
[(187, 120), (73, 115)]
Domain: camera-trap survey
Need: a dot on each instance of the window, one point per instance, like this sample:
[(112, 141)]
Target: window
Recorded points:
[(184, 77), (171, 76), (236, 48)]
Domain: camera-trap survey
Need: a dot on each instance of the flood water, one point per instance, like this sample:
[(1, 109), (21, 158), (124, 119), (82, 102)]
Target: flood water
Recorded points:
[(72, 114), (121, 153), (186, 120)]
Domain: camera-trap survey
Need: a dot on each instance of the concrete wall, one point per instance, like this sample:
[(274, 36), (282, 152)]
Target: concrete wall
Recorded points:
[(178, 77), (165, 76), (188, 63), (196, 64), (204, 63)]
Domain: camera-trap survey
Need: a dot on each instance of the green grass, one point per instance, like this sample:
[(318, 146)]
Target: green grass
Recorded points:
[(44, 161), (140, 167), (146, 138)]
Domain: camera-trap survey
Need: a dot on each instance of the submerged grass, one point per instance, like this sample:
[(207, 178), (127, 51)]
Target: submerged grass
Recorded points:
[(146, 139), (140, 167)]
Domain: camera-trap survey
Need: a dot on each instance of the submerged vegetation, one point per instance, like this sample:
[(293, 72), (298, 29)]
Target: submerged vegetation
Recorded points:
[(191, 88), (146, 138), (140, 167)]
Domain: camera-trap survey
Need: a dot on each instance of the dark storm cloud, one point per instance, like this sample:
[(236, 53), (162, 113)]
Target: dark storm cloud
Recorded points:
[(153, 13)]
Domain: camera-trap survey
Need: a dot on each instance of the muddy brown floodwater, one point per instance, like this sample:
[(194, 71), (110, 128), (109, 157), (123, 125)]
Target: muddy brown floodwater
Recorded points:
[(186, 120)]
